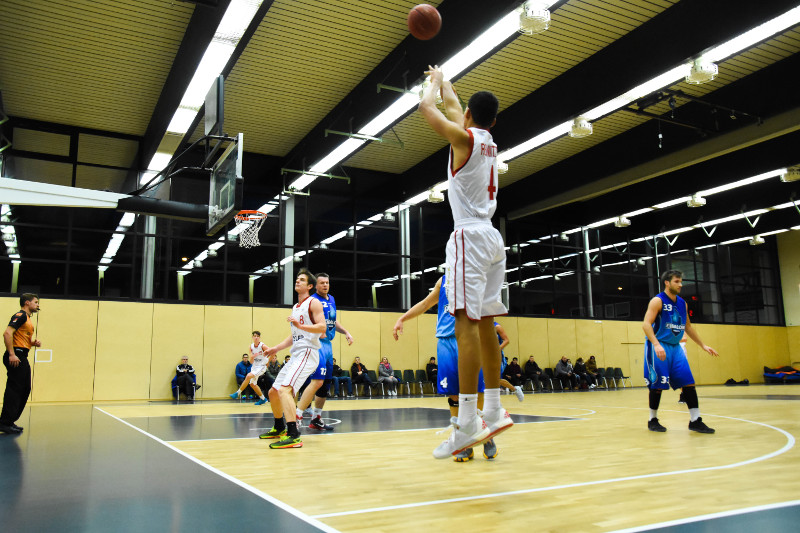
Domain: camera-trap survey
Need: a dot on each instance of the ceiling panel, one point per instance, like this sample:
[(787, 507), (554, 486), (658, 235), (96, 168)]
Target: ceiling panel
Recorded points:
[(95, 63)]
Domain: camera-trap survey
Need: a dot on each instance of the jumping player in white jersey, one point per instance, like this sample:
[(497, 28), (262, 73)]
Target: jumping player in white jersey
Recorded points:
[(308, 324), (476, 257), (258, 358)]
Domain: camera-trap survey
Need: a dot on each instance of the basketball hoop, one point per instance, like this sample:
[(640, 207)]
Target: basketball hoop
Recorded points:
[(251, 222)]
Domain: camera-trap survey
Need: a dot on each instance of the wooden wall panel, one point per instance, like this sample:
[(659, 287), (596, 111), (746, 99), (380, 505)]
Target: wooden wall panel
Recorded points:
[(124, 344), (561, 338), (69, 329), (177, 331), (364, 326), (403, 353), (534, 340), (426, 340), (226, 329)]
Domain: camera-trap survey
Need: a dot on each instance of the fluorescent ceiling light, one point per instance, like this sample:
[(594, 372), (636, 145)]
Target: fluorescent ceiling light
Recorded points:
[(180, 123), (754, 36), (736, 45), (740, 183), (159, 161)]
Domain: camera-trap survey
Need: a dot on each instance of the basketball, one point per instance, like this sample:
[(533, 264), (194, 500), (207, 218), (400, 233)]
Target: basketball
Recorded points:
[(424, 22)]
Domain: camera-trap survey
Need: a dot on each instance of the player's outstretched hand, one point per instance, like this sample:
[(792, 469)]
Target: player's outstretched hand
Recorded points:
[(398, 329), (435, 73), (348, 338), (710, 350)]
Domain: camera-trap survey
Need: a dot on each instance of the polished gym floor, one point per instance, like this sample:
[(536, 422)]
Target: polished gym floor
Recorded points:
[(581, 461)]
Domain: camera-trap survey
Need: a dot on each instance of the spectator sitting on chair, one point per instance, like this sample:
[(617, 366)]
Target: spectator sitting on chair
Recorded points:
[(338, 376), (242, 369), (591, 369), (581, 373), (358, 373), (268, 378), (513, 373), (285, 361), (534, 373), (564, 373), (432, 370), (184, 380), (386, 375)]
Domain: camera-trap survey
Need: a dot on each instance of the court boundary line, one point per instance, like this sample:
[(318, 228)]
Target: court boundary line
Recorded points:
[(712, 516), (263, 495), (786, 447)]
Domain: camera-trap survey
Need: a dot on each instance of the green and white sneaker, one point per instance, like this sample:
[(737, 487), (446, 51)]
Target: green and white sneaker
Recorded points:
[(273, 434), (287, 442)]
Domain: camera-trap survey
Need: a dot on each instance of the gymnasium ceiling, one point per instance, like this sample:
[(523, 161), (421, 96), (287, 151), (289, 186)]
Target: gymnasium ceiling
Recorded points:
[(89, 87)]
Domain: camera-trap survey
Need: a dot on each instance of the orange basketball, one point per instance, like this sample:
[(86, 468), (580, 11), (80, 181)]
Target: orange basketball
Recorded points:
[(424, 22)]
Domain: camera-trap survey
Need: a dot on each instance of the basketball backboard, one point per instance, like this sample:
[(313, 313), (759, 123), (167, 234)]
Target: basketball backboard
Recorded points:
[(226, 188)]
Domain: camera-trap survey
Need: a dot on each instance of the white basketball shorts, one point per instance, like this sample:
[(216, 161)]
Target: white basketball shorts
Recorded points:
[(476, 266), (257, 372), (296, 371)]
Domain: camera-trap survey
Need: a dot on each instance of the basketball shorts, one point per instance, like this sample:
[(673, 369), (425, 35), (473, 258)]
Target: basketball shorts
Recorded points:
[(325, 368), (447, 356), (298, 369), (257, 372), (476, 266), (672, 372)]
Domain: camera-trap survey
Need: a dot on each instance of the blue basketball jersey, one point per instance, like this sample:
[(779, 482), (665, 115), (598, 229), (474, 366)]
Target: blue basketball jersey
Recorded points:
[(329, 308), (445, 322), (671, 321)]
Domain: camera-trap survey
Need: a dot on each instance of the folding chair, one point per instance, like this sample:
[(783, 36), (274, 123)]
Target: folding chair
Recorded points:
[(374, 378), (610, 375), (601, 374), (548, 372), (408, 379), (618, 375), (399, 377), (422, 379)]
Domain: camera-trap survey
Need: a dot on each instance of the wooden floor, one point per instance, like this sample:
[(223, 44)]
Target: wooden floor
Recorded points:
[(586, 463)]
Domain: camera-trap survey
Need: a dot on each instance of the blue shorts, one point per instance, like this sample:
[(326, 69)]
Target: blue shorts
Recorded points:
[(325, 368), (447, 356), (671, 372)]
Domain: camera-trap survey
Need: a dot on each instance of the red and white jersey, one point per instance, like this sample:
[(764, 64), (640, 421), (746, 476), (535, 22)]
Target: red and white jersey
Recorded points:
[(259, 358), (303, 340), (473, 186)]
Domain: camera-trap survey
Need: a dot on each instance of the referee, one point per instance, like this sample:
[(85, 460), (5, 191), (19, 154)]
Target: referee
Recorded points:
[(18, 341)]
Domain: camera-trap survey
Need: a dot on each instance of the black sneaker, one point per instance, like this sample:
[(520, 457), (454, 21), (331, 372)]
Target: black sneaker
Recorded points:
[(699, 426), (681, 399), (18, 428), (653, 425), (319, 425)]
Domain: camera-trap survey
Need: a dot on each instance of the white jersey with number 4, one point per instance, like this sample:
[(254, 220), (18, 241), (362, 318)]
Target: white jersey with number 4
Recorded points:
[(303, 340), (259, 358), (473, 186)]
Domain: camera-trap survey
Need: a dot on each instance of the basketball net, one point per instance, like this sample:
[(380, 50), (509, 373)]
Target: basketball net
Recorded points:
[(251, 222)]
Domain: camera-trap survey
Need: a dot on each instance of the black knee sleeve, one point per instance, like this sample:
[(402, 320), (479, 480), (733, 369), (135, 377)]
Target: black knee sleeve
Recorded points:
[(690, 396), (322, 392), (452, 403), (655, 399)]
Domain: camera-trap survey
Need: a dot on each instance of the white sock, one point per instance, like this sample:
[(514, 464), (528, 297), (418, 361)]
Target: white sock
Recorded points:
[(299, 411), (694, 414), (262, 397), (467, 408), (317, 411), (491, 400), (653, 413)]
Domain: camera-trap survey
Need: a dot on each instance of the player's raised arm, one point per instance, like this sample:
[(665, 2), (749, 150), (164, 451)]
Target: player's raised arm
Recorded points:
[(452, 105), (444, 127), (418, 308)]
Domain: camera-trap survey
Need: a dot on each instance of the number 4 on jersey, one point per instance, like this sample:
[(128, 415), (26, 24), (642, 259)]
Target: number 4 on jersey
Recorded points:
[(492, 189), (443, 383)]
